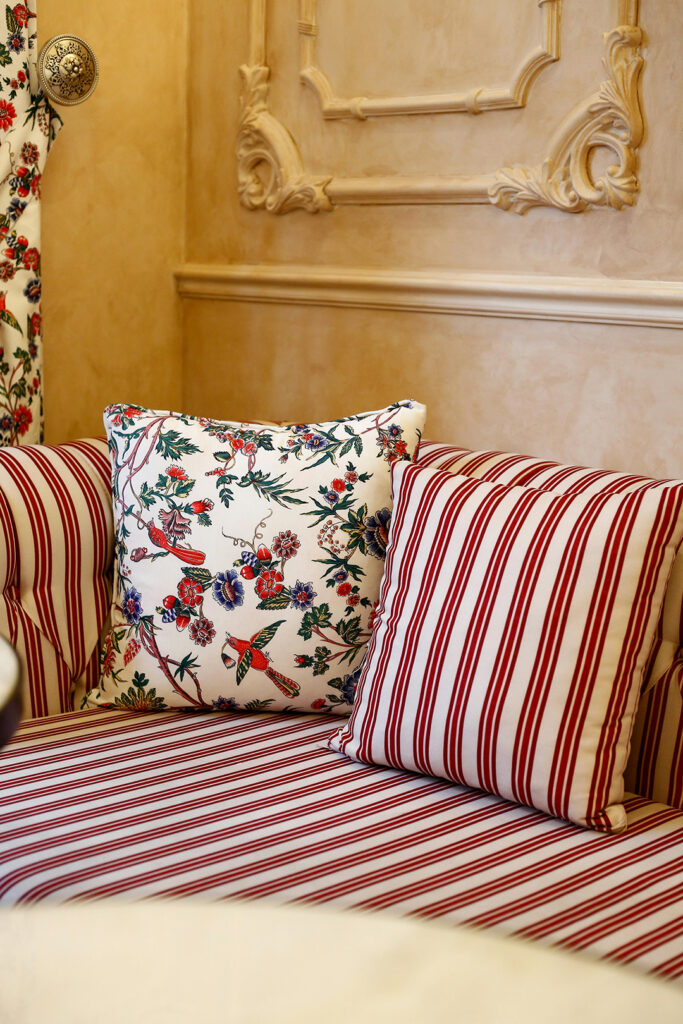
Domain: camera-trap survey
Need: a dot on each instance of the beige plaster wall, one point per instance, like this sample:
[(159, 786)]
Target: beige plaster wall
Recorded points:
[(604, 395), (114, 193)]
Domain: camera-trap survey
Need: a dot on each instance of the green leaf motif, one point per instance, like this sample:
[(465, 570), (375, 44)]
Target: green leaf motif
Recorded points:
[(266, 635), (147, 495), (171, 445), (189, 662), (9, 318), (12, 23), (275, 603), (258, 705), (5, 56), (271, 488), (199, 575), (140, 680), (243, 665), (318, 617), (349, 630)]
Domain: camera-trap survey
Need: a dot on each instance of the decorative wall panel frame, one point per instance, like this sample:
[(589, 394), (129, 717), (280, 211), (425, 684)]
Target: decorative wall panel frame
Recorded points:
[(271, 174), (474, 101)]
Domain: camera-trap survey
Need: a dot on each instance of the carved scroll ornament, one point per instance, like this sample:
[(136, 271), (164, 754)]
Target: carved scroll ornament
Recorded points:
[(272, 176)]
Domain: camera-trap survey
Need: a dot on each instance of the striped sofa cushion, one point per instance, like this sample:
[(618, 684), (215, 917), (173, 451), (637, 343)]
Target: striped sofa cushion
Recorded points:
[(511, 638), (56, 548), (655, 767), (116, 805)]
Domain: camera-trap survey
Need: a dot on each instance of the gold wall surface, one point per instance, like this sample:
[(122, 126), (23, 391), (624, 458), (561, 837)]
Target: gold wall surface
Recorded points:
[(113, 216), (604, 394), (601, 393)]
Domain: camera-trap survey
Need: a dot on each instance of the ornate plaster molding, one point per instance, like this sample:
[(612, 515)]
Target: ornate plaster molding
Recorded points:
[(611, 119), (594, 300), (474, 101), (270, 173), (272, 176)]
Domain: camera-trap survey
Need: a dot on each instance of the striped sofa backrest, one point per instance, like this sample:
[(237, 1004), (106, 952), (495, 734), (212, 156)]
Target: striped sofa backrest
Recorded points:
[(56, 553), (655, 768)]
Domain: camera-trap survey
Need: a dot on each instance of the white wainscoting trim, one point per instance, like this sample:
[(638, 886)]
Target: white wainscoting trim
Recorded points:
[(519, 296)]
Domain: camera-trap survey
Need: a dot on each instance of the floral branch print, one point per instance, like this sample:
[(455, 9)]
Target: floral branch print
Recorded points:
[(268, 579)]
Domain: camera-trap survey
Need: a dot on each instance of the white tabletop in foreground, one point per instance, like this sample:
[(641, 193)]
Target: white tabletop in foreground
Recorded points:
[(257, 964)]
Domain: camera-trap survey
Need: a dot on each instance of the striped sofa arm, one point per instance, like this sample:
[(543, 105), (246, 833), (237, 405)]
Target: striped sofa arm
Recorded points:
[(56, 554)]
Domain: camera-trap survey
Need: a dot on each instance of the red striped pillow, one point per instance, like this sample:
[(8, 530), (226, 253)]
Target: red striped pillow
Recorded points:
[(56, 549), (513, 631), (655, 766)]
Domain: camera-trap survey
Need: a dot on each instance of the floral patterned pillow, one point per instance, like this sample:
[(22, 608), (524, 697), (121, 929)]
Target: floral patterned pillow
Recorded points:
[(249, 558)]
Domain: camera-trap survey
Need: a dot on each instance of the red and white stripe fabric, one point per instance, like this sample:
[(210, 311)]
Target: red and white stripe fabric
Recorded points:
[(512, 634), (102, 804), (56, 550), (655, 766)]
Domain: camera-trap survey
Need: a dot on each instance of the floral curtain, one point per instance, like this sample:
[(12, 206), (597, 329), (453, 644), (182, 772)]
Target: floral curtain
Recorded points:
[(28, 127)]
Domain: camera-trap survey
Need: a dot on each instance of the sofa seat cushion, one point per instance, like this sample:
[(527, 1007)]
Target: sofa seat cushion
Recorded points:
[(99, 804)]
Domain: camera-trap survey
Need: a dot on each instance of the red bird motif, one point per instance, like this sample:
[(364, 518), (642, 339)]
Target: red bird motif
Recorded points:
[(250, 655), (159, 539)]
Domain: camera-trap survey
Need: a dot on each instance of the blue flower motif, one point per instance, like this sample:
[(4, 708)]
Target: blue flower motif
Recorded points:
[(377, 532), (348, 689), (225, 704), (300, 428), (316, 443), (15, 41), (340, 575), (132, 606), (394, 430), (16, 208), (332, 497), (228, 589), (32, 290), (302, 595)]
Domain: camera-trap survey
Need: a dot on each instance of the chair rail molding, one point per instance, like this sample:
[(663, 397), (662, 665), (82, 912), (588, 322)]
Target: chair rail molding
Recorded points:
[(473, 101), (517, 296), (271, 174)]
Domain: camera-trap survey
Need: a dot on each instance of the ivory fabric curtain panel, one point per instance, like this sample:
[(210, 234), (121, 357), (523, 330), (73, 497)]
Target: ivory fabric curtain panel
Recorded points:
[(28, 127)]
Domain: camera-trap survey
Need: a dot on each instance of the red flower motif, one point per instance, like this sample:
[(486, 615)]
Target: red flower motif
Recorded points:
[(263, 554), (205, 505), (131, 650), (339, 486), (177, 473), (400, 448), (286, 545), (237, 442), (22, 242), (352, 600), (21, 14), (250, 448), (30, 153), (318, 704), (21, 76), (22, 172), (2, 301), (343, 589), (189, 592), (351, 478), (7, 271), (31, 258), (7, 115), (10, 254), (269, 583), (182, 621), (202, 632), (22, 418), (300, 659), (36, 323)]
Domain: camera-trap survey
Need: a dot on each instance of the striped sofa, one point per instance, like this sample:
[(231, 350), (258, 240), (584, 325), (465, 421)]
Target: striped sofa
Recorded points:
[(101, 804)]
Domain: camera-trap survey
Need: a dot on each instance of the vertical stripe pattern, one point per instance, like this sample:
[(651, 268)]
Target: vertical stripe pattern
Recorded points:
[(55, 566), (655, 766), (512, 635)]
